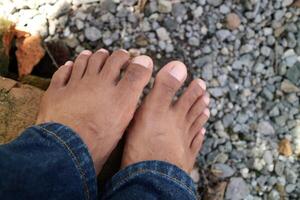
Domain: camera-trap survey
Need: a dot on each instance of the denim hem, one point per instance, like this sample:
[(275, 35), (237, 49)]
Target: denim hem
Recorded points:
[(163, 169), (77, 150)]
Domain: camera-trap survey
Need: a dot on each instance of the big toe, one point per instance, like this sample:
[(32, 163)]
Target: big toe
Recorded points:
[(168, 80)]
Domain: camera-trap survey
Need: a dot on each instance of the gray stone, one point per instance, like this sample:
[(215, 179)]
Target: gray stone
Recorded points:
[(279, 168), (227, 120), (79, 24), (265, 128), (293, 74), (193, 41), (290, 188), (223, 170), (216, 92), (92, 33), (286, 3), (274, 195), (237, 189), (198, 12), (162, 34), (207, 72), (266, 51), (291, 176), (223, 34), (164, 6), (215, 2), (268, 157)]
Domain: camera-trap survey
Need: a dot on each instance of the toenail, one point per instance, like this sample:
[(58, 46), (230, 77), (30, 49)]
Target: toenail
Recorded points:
[(206, 112), (86, 52), (144, 61), (203, 131), (206, 100), (178, 72), (69, 63), (124, 51), (202, 84), (103, 51)]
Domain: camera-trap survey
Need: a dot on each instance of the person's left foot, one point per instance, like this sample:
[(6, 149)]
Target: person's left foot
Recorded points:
[(90, 97)]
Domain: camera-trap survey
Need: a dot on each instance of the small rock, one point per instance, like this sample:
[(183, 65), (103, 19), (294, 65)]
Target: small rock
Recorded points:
[(222, 170), (79, 24), (286, 3), (237, 189), (223, 34), (92, 34), (288, 87), (193, 41), (290, 188), (293, 74), (265, 128), (268, 157), (162, 34), (198, 12), (216, 92), (233, 21), (164, 6), (279, 168), (285, 147), (266, 51), (215, 2)]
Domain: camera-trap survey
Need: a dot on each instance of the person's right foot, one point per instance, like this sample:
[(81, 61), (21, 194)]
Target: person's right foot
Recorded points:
[(90, 97), (167, 131)]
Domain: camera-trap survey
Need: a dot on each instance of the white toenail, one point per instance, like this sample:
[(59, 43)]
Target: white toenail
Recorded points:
[(86, 52), (178, 72), (203, 131), (69, 63), (142, 60), (206, 112), (103, 50), (202, 84), (206, 99)]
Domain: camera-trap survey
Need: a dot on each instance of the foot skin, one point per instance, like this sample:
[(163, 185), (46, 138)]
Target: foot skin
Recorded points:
[(90, 97), (166, 130)]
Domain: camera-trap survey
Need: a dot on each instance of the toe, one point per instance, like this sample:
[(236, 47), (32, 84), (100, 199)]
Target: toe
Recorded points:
[(193, 92), (136, 77), (197, 108), (168, 80), (199, 122), (113, 65), (197, 142), (80, 65), (61, 76), (96, 62)]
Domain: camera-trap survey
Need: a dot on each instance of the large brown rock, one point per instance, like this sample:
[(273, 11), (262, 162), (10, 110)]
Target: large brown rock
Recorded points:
[(19, 106)]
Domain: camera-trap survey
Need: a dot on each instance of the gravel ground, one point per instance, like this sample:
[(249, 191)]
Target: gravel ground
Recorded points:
[(248, 52)]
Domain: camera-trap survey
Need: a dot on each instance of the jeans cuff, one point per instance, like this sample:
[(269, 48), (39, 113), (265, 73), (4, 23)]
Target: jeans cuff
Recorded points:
[(169, 172), (78, 152)]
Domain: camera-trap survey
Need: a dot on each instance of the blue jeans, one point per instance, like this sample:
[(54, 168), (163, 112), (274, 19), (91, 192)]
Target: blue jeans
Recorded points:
[(50, 161)]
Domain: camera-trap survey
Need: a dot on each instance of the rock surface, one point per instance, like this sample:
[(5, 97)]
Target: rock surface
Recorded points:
[(19, 106)]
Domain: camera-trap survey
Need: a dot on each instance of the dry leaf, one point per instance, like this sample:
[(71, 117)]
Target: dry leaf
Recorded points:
[(296, 4), (29, 52), (285, 147)]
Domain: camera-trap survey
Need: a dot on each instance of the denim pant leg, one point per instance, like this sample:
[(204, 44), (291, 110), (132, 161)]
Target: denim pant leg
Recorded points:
[(150, 180), (47, 161)]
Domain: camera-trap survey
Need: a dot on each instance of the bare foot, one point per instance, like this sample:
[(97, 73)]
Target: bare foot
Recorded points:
[(168, 131), (90, 97)]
